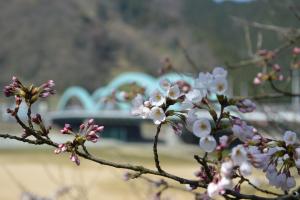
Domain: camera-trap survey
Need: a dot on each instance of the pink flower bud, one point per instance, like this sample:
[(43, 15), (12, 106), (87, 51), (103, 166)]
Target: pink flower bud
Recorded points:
[(90, 122), (259, 75), (100, 128), (256, 81), (61, 148), (46, 89), (91, 133), (276, 67), (37, 119), (82, 126), (296, 50), (67, 129), (74, 158)]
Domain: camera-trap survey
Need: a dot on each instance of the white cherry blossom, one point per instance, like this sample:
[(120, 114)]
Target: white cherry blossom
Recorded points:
[(219, 85), (165, 84), (290, 182), (138, 100), (223, 140), (246, 169), (174, 92), (239, 155), (201, 127), (191, 118), (213, 190), (157, 98), (138, 107), (203, 82), (243, 131), (225, 183), (226, 168), (145, 112), (194, 96), (290, 137), (157, 115), (219, 72), (208, 143)]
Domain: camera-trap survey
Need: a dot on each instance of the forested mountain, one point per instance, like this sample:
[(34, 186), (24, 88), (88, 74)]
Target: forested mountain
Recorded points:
[(87, 42)]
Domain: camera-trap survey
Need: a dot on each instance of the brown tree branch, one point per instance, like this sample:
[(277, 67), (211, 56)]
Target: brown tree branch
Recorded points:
[(29, 117), (155, 153), (203, 162), (35, 142), (136, 168), (140, 169), (143, 170)]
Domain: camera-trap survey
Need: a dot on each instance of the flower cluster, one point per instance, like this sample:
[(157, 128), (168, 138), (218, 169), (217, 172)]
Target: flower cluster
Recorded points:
[(242, 130), (157, 106), (15, 88), (270, 70), (181, 106), (235, 166), (229, 171), (197, 99), (274, 73), (202, 129), (207, 83), (276, 158), (87, 132), (31, 93)]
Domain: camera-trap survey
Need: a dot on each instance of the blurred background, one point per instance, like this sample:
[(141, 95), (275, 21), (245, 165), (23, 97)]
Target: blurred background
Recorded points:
[(95, 50)]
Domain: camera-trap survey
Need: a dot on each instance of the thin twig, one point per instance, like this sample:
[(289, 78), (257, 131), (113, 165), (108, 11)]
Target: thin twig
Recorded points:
[(166, 183), (269, 27), (285, 93), (85, 149), (255, 59), (260, 189), (188, 58), (143, 170), (155, 153), (136, 168), (35, 142), (29, 117), (248, 41), (265, 96), (203, 162)]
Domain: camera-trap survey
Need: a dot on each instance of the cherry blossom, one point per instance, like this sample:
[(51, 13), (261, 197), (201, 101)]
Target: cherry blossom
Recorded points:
[(157, 115)]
